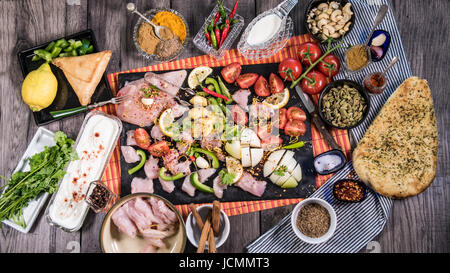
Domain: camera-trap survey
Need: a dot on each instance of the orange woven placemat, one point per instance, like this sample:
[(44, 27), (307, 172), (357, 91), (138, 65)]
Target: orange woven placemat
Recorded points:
[(111, 176)]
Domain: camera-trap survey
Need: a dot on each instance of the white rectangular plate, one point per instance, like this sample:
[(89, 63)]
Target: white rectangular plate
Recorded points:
[(42, 138)]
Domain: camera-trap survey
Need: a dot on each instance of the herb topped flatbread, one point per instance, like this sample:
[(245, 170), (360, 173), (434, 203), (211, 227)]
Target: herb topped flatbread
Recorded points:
[(397, 156)]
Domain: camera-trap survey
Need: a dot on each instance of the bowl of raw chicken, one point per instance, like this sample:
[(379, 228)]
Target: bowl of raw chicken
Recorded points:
[(143, 223)]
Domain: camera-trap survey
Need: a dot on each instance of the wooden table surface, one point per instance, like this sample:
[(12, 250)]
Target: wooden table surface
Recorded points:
[(417, 224)]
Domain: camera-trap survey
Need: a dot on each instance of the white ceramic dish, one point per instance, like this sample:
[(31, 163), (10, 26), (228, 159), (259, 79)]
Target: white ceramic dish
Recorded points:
[(193, 232), (333, 221), (42, 138)]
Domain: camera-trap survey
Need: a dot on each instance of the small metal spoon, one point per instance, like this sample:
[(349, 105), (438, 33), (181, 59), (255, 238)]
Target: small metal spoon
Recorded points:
[(132, 8), (378, 19), (393, 61)]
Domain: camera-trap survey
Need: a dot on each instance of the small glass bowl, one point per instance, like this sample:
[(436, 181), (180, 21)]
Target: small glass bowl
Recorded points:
[(272, 46), (369, 60), (374, 89), (150, 14), (201, 42), (109, 196)]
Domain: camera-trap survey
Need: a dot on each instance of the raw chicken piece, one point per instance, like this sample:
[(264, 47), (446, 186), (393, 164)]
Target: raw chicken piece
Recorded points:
[(156, 133), (218, 187), (171, 163), (171, 80), (182, 167), (145, 209), (131, 141), (134, 111), (156, 242), (241, 98), (167, 186), (141, 185), (129, 154), (187, 186), (123, 222), (185, 143), (260, 111), (151, 168), (162, 209), (204, 174), (138, 218), (248, 183)]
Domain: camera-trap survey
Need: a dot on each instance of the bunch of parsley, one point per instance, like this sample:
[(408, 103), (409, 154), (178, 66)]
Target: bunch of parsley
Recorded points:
[(46, 169)]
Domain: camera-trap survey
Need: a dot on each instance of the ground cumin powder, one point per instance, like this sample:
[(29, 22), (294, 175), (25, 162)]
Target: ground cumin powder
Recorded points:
[(147, 39), (313, 220)]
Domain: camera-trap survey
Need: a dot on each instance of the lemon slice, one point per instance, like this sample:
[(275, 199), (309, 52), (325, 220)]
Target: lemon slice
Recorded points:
[(234, 166), (166, 124), (277, 100), (198, 75)]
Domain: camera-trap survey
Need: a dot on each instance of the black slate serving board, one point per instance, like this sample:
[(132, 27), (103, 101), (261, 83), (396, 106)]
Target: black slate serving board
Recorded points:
[(65, 96), (303, 155)]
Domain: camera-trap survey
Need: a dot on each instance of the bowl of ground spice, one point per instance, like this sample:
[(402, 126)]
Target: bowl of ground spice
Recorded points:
[(313, 220), (173, 37)]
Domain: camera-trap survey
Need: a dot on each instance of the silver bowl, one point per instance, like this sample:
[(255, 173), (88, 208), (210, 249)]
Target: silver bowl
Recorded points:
[(150, 14)]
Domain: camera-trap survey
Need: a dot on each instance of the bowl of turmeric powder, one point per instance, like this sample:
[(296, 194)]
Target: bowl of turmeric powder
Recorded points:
[(173, 37)]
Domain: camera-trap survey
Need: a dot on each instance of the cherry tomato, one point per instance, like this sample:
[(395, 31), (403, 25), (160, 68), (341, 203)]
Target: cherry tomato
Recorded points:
[(290, 68), (275, 83), (159, 148), (295, 113), (262, 87), (247, 80), (239, 115), (295, 128), (280, 123), (308, 53), (231, 72), (314, 82), (142, 138), (330, 65)]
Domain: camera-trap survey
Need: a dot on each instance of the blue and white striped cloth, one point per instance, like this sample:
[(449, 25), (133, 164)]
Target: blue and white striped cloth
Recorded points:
[(358, 223)]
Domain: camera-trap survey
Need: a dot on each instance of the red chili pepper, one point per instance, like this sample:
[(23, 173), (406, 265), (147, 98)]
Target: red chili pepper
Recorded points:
[(214, 93), (217, 32), (224, 33), (207, 33), (192, 158), (233, 12), (217, 18)]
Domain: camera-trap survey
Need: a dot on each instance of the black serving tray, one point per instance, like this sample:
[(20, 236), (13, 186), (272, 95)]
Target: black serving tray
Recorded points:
[(303, 155), (65, 97)]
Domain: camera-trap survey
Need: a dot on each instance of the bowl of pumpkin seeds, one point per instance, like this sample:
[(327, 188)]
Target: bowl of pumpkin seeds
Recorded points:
[(344, 104)]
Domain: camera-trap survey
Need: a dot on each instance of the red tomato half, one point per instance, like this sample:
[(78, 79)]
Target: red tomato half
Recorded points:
[(308, 53), (262, 87), (231, 72), (159, 148), (247, 80), (239, 115), (295, 113), (330, 65), (315, 83), (275, 83), (295, 128), (290, 68), (142, 138)]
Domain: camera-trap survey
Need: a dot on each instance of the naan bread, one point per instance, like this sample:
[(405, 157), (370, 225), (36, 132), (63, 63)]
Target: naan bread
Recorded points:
[(84, 72), (397, 156)]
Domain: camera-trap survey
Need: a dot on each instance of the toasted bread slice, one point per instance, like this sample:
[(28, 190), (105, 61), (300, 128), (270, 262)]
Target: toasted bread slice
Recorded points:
[(84, 72)]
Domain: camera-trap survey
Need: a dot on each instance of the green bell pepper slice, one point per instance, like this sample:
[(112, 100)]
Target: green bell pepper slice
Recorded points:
[(162, 174), (141, 164), (200, 186)]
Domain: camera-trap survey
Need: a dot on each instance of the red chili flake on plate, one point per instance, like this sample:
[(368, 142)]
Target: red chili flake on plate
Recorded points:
[(97, 134)]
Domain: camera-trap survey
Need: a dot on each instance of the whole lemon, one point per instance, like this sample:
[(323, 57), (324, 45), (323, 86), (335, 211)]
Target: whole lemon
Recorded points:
[(39, 88)]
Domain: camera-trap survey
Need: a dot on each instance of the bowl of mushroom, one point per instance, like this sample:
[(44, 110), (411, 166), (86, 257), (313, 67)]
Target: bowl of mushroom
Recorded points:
[(329, 19)]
